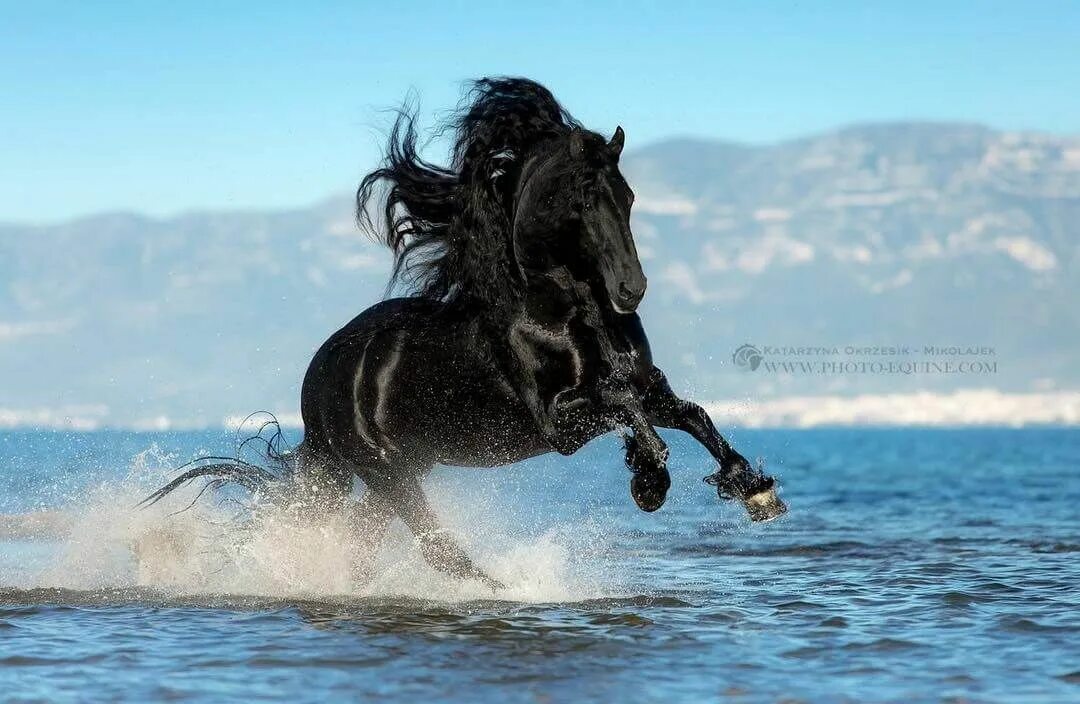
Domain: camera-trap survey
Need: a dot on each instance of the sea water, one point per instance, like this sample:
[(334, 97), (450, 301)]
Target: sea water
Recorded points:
[(914, 565)]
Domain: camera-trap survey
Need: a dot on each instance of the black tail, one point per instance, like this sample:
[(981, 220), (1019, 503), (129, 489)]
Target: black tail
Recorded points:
[(234, 470), (231, 470)]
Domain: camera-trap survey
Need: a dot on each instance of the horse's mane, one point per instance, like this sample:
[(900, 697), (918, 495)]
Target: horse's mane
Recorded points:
[(449, 226)]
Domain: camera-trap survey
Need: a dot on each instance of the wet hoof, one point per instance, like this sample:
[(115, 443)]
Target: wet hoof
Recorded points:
[(649, 489), (764, 506)]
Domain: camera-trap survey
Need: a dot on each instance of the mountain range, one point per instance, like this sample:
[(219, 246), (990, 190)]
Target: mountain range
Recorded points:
[(885, 243)]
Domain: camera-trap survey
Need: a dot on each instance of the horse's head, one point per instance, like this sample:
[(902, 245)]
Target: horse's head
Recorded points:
[(572, 210)]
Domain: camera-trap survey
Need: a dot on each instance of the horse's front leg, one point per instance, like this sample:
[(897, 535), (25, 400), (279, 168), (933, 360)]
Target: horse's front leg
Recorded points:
[(518, 360), (646, 451), (646, 456), (735, 478), (583, 417)]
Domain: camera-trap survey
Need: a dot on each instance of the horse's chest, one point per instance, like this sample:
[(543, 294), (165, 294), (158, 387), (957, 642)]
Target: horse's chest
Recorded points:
[(556, 357)]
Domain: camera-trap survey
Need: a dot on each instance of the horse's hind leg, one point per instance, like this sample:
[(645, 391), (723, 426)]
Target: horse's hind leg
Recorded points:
[(323, 480), (437, 546), (324, 486), (368, 518)]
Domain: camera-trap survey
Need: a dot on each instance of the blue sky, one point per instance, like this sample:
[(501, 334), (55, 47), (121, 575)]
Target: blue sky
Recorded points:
[(166, 107)]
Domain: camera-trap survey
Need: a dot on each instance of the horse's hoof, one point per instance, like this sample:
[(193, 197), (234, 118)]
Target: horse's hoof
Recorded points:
[(649, 489), (764, 506)]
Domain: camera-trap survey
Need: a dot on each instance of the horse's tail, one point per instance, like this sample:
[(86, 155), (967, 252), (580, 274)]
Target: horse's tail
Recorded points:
[(234, 470), (221, 471)]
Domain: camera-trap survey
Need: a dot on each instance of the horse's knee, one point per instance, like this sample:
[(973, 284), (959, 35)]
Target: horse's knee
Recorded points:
[(651, 481), (694, 413), (648, 454)]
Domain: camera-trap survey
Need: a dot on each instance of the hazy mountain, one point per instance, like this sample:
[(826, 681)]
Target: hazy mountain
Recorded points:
[(896, 234)]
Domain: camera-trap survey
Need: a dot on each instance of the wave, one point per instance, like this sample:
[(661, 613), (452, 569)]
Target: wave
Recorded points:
[(33, 600)]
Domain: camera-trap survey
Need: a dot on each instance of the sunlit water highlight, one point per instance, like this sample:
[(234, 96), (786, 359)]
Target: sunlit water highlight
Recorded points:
[(915, 565)]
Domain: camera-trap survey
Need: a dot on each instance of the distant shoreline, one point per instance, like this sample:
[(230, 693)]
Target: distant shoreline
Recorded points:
[(929, 409), (963, 408)]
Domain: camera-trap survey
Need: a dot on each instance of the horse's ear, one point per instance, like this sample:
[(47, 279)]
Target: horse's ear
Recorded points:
[(617, 140), (577, 143)]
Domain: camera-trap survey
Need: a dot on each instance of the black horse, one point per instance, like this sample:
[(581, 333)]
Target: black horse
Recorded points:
[(520, 337)]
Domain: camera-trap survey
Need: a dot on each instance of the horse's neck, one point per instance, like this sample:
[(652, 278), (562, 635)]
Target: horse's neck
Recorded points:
[(554, 296), (558, 299)]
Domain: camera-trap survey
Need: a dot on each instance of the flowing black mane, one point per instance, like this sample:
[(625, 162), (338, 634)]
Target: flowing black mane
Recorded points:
[(449, 226)]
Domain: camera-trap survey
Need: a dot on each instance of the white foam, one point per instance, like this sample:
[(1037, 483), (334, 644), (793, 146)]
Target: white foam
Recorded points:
[(217, 548), (964, 407)]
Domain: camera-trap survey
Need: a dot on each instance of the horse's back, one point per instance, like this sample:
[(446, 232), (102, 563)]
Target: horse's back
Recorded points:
[(406, 382)]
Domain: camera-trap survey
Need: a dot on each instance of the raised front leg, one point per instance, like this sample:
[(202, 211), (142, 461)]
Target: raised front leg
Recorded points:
[(617, 398), (735, 478), (521, 365), (519, 359), (646, 456)]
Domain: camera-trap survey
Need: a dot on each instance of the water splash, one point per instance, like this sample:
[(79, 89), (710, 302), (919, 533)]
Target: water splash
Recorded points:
[(221, 546)]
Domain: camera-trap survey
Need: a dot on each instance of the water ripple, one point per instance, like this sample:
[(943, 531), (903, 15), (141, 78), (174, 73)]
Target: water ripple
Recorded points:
[(880, 585)]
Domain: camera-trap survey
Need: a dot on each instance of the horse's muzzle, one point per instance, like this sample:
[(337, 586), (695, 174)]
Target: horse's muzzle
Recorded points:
[(630, 295)]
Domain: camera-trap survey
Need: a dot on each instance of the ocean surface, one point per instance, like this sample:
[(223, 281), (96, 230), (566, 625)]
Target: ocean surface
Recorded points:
[(915, 565)]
